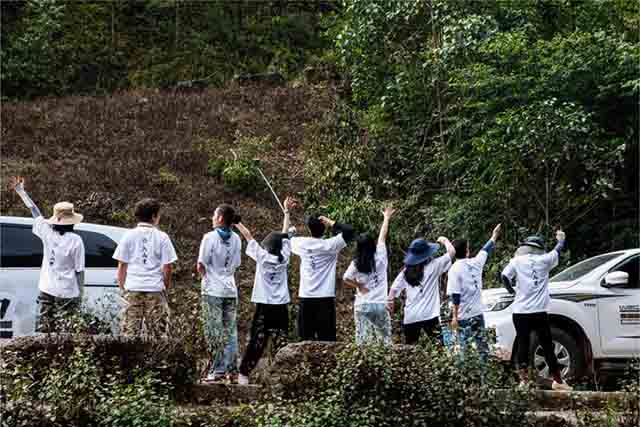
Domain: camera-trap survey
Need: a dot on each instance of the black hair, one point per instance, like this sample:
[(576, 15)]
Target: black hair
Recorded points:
[(365, 253), (316, 227), (413, 274), (461, 247), (68, 228), (229, 216), (146, 209), (273, 244)]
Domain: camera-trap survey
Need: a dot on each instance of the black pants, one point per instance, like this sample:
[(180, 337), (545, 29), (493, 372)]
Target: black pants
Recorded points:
[(270, 320), (430, 327), (538, 323), (317, 319), (54, 312)]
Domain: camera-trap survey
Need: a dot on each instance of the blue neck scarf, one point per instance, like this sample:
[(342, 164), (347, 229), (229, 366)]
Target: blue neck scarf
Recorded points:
[(224, 233)]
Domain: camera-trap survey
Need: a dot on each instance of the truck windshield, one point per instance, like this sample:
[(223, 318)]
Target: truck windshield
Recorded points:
[(583, 268)]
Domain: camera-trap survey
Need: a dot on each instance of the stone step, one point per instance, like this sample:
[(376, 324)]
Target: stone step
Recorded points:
[(222, 393)]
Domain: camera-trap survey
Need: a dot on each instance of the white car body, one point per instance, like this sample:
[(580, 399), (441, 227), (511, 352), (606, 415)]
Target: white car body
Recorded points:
[(20, 264), (603, 320)]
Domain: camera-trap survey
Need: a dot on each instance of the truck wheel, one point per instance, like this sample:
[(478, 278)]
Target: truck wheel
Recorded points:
[(570, 358)]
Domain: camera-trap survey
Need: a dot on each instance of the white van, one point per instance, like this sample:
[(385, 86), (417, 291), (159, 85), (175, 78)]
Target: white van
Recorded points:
[(594, 315), (20, 262)]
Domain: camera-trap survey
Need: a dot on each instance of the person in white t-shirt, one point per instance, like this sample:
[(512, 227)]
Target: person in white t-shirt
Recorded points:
[(145, 256), (62, 273), (420, 280), (368, 274), (318, 261), (464, 287), (530, 268), (270, 293), (218, 260)]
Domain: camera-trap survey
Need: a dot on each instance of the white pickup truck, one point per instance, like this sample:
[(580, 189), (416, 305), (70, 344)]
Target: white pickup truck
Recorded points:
[(594, 313), (20, 263)]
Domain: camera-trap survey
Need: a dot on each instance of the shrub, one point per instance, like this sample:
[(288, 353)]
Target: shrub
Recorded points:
[(242, 176)]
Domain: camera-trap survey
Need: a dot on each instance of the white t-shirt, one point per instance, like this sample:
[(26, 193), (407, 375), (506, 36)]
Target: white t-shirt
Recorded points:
[(270, 284), (376, 281), (319, 258), (145, 250), (63, 257), (465, 278), (532, 278), (423, 301), (221, 259)]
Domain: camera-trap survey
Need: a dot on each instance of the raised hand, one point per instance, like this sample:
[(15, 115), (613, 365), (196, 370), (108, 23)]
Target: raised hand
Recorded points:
[(442, 240), (326, 221), (388, 211), (496, 232), (560, 235), (290, 203), (16, 183)]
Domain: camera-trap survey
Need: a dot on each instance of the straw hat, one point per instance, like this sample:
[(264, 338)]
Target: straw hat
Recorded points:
[(63, 214)]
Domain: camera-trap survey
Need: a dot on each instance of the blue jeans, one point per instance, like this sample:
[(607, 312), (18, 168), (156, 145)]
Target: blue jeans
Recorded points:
[(221, 333), (473, 329), (373, 323)]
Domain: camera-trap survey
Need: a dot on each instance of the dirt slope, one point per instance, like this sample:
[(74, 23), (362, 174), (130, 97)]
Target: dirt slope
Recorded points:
[(105, 153)]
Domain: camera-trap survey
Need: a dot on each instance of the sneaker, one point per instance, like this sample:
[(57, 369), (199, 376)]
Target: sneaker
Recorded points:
[(556, 386), (243, 380), (213, 378), (524, 385)]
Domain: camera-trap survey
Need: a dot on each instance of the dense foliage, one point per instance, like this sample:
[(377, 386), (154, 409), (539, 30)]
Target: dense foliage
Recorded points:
[(56, 47), (474, 113)]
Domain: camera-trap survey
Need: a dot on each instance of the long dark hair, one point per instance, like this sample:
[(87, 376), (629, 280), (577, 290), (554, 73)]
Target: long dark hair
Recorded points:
[(62, 228), (413, 274), (273, 244), (365, 254)]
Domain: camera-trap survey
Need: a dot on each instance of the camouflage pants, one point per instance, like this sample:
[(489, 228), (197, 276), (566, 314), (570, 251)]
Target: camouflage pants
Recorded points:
[(220, 326), (54, 311), (148, 309)]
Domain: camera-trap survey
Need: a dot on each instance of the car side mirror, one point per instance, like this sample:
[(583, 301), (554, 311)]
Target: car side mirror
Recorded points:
[(616, 279)]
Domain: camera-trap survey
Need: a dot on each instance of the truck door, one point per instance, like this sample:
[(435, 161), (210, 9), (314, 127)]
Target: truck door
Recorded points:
[(20, 263), (619, 313)]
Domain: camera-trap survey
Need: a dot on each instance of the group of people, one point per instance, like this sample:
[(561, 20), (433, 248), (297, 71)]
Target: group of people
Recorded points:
[(145, 255)]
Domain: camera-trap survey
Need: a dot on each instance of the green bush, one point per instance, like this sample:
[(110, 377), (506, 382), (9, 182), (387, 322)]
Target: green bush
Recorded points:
[(422, 385), (242, 176)]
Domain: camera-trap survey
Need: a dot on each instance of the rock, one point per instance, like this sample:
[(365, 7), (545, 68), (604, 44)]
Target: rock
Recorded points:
[(266, 79), (190, 86), (321, 73), (167, 357), (220, 393)]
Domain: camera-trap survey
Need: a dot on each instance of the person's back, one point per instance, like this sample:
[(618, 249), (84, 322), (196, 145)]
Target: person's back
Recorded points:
[(318, 262), (270, 282), (220, 258), (531, 272), (147, 249)]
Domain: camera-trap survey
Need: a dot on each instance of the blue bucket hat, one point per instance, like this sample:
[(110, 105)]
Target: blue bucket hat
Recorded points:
[(534, 242), (419, 251)]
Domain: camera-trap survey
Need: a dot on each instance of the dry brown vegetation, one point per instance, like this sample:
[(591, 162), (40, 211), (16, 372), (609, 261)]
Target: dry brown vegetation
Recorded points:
[(105, 153)]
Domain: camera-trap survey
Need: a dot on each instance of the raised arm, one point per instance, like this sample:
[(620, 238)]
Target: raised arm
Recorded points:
[(448, 246), (348, 232), (561, 238), (384, 229), (289, 203), (244, 231), (17, 184)]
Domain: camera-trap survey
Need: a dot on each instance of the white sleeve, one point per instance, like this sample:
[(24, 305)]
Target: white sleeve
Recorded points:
[(453, 281), (79, 258), (168, 252), (398, 286), (295, 245), (510, 270), (202, 253), (237, 256), (336, 243), (122, 251), (351, 272), (41, 227), (481, 258), (286, 249), (551, 259), (253, 250), (443, 264)]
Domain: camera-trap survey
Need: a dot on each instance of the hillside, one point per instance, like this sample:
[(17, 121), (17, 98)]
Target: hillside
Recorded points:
[(105, 153)]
